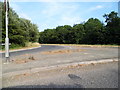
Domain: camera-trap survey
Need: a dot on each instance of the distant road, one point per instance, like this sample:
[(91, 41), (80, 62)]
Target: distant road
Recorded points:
[(29, 51)]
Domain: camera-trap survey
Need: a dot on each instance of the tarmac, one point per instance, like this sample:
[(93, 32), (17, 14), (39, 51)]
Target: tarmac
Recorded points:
[(68, 56)]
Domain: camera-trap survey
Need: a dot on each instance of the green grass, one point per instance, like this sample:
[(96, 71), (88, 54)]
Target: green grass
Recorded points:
[(12, 47), (16, 46)]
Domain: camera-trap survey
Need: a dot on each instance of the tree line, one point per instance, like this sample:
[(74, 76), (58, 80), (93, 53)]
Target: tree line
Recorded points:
[(91, 32), (20, 31)]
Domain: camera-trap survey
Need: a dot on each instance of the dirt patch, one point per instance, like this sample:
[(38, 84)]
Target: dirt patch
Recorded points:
[(22, 75), (62, 51), (75, 66), (20, 61), (82, 65), (24, 60)]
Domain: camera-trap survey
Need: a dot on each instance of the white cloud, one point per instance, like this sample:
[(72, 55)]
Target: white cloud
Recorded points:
[(23, 15), (65, 13), (64, 20), (55, 8), (70, 20), (96, 8), (51, 9), (57, 14)]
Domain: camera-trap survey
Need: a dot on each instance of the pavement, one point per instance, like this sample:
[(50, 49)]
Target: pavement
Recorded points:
[(57, 56)]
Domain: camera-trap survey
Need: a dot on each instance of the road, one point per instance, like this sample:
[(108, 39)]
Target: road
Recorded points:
[(100, 75), (46, 56), (29, 51), (91, 76)]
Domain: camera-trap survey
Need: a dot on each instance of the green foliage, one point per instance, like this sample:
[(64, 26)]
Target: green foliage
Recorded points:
[(110, 17), (91, 32), (62, 33), (78, 32), (112, 28), (15, 46), (20, 30)]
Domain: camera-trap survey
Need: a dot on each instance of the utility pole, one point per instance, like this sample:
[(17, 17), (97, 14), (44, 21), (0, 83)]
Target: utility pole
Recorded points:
[(6, 22)]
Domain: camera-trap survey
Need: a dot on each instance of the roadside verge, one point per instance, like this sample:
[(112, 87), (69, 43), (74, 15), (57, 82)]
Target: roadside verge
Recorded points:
[(21, 49), (84, 45)]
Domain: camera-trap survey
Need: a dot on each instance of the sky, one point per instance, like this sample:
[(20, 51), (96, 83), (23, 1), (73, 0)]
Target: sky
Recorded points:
[(49, 15)]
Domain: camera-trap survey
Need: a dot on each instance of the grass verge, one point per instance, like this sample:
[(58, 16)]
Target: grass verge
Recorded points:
[(84, 45), (18, 47)]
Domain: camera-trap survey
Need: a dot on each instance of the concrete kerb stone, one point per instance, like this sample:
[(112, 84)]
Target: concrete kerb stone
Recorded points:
[(35, 70)]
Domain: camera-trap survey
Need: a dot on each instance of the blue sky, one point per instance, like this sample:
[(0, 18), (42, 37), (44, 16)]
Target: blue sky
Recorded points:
[(52, 14)]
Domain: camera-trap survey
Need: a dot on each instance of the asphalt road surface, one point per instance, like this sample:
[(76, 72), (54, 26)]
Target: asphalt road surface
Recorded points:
[(29, 51), (50, 48), (91, 76), (46, 56)]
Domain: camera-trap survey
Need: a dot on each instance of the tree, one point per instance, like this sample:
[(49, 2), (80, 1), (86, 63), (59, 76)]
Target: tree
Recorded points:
[(48, 36), (112, 28), (20, 30), (110, 17), (33, 33), (61, 32), (93, 31), (67, 30), (78, 33)]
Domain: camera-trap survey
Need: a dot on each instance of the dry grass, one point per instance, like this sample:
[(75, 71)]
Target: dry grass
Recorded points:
[(29, 44), (31, 58), (20, 61), (24, 60), (22, 75), (62, 51), (83, 45)]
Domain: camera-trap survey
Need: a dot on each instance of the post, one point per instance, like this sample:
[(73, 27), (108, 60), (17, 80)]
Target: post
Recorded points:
[(6, 39)]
